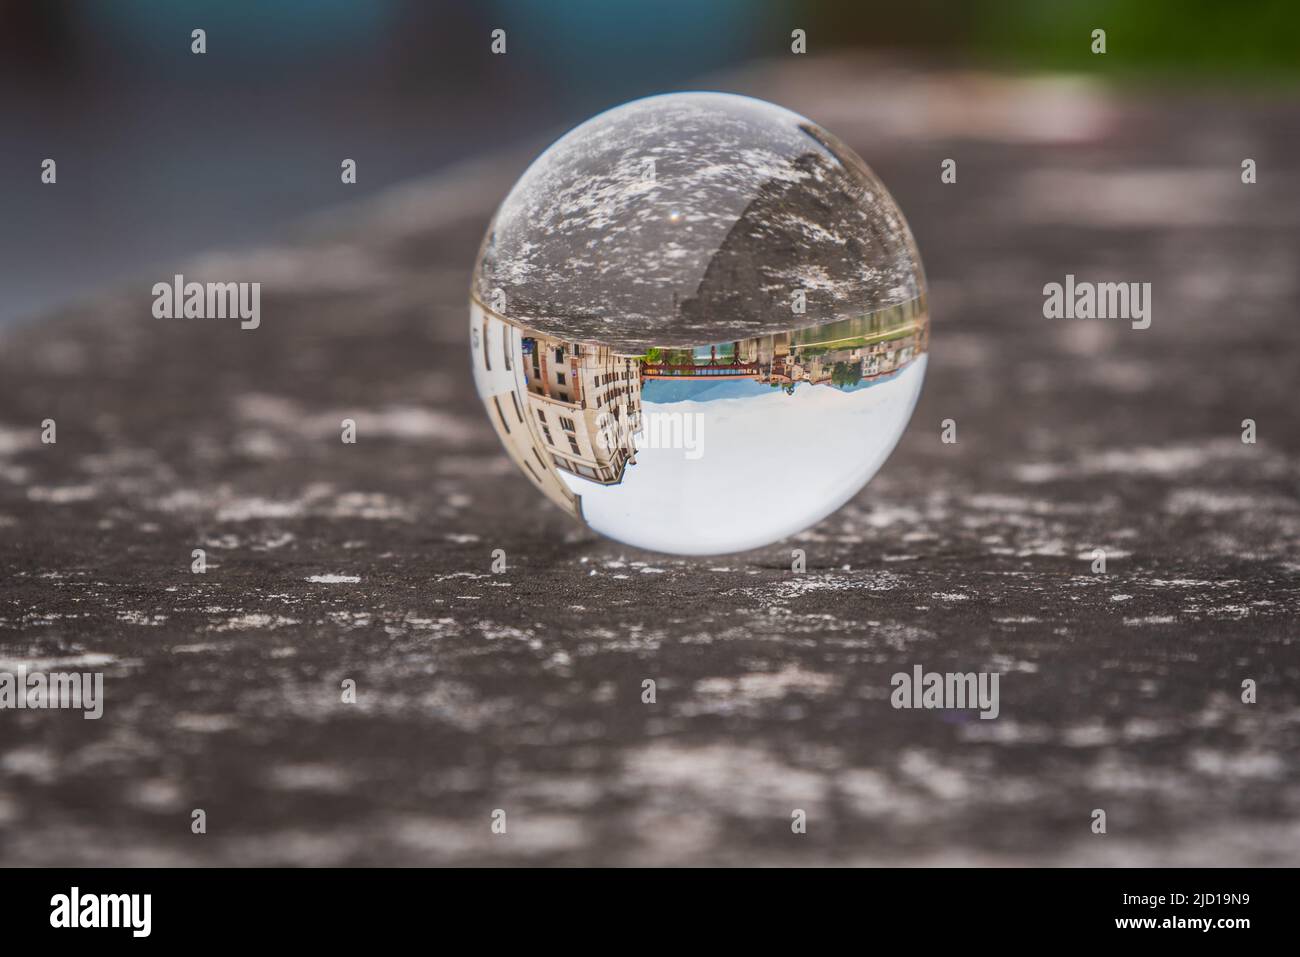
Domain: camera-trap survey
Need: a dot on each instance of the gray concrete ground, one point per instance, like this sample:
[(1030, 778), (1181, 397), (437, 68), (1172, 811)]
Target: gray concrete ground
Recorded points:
[(522, 691)]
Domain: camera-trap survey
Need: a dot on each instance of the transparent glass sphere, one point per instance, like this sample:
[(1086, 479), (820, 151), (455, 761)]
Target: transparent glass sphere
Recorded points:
[(699, 323)]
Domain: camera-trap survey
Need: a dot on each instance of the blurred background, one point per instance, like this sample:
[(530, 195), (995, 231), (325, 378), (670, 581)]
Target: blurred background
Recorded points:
[(162, 154)]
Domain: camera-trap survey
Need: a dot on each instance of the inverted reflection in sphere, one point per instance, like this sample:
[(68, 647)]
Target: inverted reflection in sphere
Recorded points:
[(699, 323)]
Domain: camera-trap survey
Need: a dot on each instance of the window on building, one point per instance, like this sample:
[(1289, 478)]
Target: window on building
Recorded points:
[(573, 444), (559, 377), (547, 432), (541, 414), (567, 424), (559, 355)]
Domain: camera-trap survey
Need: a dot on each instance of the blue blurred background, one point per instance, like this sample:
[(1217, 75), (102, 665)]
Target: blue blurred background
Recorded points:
[(162, 153)]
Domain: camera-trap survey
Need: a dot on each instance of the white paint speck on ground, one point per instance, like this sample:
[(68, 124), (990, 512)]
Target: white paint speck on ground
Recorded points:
[(256, 621), (91, 659), (62, 495)]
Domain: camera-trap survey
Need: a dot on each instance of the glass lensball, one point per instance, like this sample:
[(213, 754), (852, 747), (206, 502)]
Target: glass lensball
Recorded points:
[(699, 323)]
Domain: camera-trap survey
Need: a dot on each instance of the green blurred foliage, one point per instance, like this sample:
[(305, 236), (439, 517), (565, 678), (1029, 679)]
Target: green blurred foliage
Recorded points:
[(1188, 40), (1223, 38)]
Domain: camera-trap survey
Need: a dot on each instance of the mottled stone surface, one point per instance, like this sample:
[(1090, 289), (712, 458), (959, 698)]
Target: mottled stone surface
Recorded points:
[(522, 691), (690, 219)]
